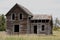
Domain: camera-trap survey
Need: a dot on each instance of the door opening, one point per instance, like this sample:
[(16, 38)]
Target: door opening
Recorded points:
[(16, 28), (35, 29)]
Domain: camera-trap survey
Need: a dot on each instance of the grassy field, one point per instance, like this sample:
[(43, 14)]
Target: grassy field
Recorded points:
[(55, 36)]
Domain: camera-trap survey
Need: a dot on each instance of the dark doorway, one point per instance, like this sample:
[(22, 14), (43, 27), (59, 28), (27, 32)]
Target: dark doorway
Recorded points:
[(16, 28), (35, 29)]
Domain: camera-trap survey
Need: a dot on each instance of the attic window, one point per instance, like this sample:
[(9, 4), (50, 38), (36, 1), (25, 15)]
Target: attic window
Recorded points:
[(13, 16), (20, 16)]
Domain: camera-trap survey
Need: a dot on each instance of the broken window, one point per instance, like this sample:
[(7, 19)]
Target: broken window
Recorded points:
[(20, 16), (13, 16), (39, 21), (47, 21), (32, 21), (43, 21), (42, 27), (35, 21)]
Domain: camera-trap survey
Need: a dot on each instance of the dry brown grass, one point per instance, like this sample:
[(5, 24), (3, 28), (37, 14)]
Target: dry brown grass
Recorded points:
[(55, 36)]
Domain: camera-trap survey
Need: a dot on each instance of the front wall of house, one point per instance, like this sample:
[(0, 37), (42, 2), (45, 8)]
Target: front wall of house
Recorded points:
[(22, 23)]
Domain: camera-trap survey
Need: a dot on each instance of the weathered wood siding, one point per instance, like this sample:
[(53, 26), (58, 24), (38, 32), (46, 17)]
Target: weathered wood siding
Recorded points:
[(22, 23), (47, 28), (25, 26)]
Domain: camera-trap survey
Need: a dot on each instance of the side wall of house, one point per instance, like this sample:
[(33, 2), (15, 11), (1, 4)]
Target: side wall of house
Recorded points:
[(47, 28)]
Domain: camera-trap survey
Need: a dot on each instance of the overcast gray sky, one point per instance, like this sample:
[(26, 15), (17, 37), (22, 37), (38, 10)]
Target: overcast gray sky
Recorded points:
[(51, 7)]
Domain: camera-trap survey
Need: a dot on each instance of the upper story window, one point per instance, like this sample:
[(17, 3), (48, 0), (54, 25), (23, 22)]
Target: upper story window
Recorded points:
[(13, 16), (20, 16)]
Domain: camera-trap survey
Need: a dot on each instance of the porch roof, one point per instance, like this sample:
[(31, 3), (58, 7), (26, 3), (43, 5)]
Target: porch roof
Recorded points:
[(37, 17)]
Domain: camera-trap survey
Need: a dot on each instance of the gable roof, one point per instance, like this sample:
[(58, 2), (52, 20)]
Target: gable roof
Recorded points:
[(22, 7), (37, 17)]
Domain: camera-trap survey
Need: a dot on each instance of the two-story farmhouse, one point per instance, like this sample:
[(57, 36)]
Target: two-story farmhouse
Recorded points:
[(21, 21)]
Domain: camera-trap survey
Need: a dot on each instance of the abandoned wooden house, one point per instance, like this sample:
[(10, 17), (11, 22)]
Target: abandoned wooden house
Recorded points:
[(20, 20)]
